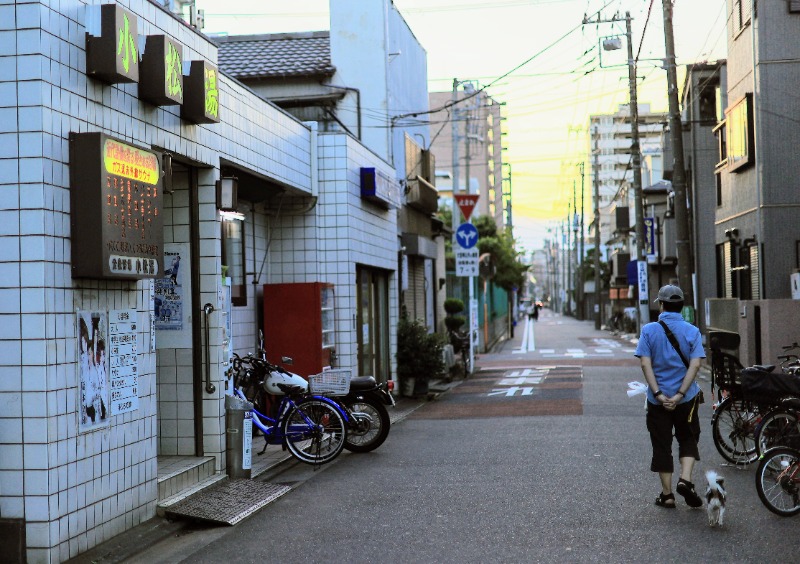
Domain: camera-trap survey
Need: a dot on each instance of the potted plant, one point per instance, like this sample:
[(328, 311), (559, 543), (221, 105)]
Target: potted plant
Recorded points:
[(419, 356), (453, 321)]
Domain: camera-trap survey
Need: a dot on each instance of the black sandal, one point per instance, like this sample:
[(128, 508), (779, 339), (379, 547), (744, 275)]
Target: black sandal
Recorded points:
[(686, 489), (663, 500)]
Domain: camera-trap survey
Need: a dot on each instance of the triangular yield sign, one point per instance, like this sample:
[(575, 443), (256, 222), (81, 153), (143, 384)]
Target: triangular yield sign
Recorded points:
[(466, 203)]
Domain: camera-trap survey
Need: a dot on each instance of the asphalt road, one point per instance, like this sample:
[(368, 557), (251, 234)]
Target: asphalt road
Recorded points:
[(513, 487)]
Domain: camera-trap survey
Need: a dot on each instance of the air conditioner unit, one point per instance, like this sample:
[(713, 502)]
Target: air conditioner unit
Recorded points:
[(619, 268), (622, 222)]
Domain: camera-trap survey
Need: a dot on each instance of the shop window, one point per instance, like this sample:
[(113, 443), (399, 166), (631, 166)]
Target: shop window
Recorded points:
[(233, 258), (739, 134)]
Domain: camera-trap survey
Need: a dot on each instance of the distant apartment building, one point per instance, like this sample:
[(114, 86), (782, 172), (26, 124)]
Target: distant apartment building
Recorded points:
[(478, 120), (610, 137)]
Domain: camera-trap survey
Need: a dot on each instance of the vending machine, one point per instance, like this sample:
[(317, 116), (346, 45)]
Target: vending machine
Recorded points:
[(299, 322)]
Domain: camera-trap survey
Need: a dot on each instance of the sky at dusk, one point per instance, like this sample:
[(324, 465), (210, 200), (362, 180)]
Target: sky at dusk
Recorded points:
[(563, 77)]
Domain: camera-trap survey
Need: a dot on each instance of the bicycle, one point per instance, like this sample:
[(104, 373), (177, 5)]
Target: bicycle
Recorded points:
[(778, 481), (312, 428), (737, 415), (462, 342), (780, 426)]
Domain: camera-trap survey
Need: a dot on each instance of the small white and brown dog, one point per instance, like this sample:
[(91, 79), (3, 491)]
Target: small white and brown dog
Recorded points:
[(715, 498)]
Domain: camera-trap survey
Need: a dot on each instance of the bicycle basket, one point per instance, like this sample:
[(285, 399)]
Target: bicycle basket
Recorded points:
[(330, 383), (726, 371)]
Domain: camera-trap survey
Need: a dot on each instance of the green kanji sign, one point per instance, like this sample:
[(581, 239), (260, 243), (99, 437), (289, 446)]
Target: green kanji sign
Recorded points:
[(201, 93), (113, 56), (161, 83)]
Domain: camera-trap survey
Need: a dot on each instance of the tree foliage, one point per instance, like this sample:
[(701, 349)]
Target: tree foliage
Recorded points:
[(509, 272)]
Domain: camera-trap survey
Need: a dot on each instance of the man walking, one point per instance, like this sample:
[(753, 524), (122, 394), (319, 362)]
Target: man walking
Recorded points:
[(670, 351)]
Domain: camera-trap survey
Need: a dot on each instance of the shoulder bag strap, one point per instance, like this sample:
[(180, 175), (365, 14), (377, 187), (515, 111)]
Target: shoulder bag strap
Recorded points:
[(674, 342)]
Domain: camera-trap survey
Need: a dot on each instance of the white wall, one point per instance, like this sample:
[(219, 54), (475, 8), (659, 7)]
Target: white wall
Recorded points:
[(73, 489)]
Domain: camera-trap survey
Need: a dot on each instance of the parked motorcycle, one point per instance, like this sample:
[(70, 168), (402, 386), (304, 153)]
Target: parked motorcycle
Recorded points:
[(364, 405)]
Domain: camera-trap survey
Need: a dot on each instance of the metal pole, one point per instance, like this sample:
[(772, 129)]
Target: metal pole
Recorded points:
[(683, 244), (581, 255), (567, 228), (636, 153), (596, 181), (456, 188)]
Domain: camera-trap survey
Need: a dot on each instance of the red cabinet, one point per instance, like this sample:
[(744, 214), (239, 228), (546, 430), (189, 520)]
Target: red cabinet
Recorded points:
[(299, 323)]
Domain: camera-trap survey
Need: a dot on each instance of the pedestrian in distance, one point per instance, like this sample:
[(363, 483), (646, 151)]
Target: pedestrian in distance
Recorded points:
[(669, 351)]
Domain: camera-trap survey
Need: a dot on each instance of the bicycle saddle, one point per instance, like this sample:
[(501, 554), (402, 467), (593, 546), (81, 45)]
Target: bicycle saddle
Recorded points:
[(764, 367)]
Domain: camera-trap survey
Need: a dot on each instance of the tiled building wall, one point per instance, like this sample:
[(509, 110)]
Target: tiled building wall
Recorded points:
[(342, 231), (75, 490)]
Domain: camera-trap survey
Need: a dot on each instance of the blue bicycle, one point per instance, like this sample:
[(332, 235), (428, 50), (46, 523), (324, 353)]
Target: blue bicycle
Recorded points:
[(312, 428)]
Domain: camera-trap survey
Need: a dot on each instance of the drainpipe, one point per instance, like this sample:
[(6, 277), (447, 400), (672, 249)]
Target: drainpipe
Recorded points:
[(357, 92)]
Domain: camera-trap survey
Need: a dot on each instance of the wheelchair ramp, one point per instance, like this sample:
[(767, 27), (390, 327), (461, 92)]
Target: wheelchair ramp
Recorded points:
[(227, 503)]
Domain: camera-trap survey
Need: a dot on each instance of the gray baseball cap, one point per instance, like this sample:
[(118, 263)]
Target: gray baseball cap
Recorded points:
[(669, 293)]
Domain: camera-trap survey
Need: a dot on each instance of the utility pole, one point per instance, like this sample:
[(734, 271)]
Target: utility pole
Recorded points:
[(636, 158), (582, 253), (683, 244), (576, 276), (644, 300), (567, 228), (598, 307), (456, 187)]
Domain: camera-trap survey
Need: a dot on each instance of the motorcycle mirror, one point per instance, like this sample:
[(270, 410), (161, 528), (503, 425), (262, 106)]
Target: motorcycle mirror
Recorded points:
[(287, 360)]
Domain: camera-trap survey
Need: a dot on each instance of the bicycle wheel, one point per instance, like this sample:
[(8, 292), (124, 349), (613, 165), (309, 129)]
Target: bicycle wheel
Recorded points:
[(778, 481), (778, 428), (315, 431), (733, 430)]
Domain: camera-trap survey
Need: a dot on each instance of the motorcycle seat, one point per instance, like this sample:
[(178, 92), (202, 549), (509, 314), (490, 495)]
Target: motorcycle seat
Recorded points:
[(360, 383)]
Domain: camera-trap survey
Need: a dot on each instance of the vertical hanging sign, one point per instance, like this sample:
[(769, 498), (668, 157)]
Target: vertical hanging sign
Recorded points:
[(122, 359)]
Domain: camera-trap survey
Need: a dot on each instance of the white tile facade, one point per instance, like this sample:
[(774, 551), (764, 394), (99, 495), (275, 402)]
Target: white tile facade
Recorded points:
[(73, 489), (326, 244)]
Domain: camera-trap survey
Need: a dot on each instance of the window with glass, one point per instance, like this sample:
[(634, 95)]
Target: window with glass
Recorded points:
[(739, 133), (233, 258)]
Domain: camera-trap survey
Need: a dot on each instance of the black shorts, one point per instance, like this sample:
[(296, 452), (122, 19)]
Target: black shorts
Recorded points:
[(685, 423)]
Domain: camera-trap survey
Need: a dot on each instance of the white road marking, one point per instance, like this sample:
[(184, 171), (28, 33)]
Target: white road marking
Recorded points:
[(510, 392), (518, 381)]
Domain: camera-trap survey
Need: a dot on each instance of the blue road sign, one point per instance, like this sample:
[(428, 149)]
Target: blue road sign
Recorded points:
[(467, 235)]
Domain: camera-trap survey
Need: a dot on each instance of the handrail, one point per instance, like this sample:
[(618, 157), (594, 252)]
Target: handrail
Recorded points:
[(210, 387)]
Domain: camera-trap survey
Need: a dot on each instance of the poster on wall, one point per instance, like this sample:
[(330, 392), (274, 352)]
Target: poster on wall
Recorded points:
[(92, 370), (169, 292), (171, 302), (122, 361)]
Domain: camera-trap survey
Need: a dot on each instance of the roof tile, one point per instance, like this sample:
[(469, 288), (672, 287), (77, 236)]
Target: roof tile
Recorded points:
[(275, 55)]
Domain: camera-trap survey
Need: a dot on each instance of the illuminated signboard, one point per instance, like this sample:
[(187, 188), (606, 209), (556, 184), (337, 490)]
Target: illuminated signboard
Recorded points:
[(112, 44), (201, 97), (115, 202), (161, 82)]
